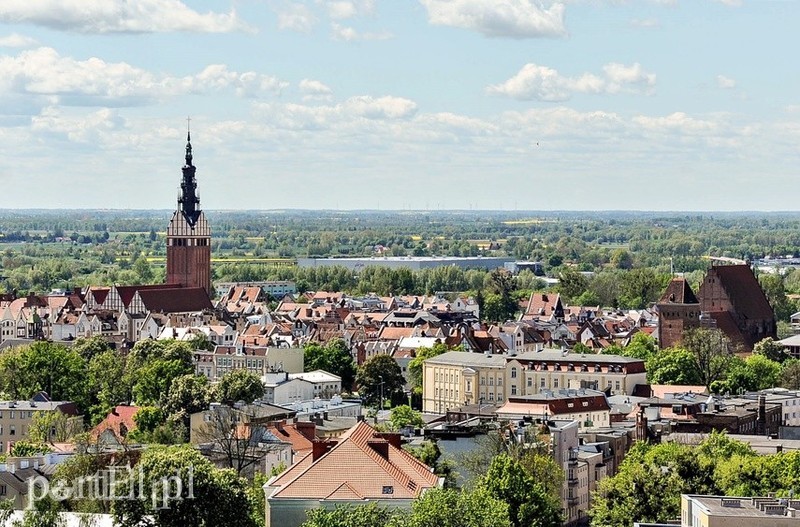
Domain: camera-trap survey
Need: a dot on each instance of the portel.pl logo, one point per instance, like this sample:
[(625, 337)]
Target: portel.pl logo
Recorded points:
[(116, 484)]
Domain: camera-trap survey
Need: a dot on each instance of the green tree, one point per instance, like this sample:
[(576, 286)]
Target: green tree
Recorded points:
[(380, 375), (459, 508), (369, 515), (44, 366), (107, 383), (187, 394), (220, 496), (712, 353), (642, 346), (771, 349), (790, 375), (53, 427), (91, 346), (333, 358), (773, 287), (239, 385), (673, 366), (528, 502), (571, 283), (757, 372), (621, 259), (25, 448), (404, 415)]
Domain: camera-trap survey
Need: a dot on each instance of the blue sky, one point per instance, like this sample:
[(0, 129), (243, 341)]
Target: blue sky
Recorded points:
[(413, 104)]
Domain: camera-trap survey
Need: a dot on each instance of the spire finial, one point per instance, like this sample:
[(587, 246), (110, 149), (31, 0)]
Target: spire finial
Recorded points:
[(188, 142)]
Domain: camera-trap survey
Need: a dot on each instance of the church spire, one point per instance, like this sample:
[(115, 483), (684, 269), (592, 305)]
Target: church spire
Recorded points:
[(189, 200)]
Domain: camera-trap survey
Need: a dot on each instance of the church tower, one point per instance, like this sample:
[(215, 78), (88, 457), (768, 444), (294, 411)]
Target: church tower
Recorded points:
[(188, 234)]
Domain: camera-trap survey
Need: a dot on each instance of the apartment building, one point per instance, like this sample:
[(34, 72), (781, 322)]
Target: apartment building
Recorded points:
[(456, 378), (16, 417), (532, 372)]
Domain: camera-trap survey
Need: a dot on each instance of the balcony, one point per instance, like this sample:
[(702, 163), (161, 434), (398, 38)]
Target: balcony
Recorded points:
[(572, 481), (572, 501)]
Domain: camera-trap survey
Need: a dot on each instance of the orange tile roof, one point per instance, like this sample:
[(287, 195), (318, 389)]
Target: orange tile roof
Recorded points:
[(288, 433), (354, 469), (121, 415)]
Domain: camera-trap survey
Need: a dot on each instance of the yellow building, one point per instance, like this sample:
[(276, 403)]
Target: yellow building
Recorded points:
[(456, 378), (530, 373)]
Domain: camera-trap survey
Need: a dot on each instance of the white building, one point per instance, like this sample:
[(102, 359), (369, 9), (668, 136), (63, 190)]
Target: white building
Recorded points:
[(325, 384)]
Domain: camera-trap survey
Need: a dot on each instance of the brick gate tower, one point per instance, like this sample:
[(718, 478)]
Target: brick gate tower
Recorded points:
[(188, 234)]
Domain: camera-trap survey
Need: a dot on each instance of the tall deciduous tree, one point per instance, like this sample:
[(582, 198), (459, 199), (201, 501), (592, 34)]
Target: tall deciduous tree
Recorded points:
[(459, 508), (44, 366), (529, 504), (334, 358), (673, 366), (216, 498), (380, 375), (239, 385), (712, 353)]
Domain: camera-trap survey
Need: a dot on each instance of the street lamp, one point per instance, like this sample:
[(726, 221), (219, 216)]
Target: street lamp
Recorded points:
[(381, 378)]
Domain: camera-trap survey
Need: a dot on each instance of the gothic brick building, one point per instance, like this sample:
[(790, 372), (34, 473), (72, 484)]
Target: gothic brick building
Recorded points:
[(729, 298), (189, 235), (678, 310)]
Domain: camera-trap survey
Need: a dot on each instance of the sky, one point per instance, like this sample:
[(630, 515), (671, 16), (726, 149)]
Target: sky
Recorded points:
[(402, 104)]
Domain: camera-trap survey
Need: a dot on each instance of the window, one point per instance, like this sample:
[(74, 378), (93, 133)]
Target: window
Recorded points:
[(541, 383), (530, 382), (388, 489), (555, 383), (513, 373), (513, 389), (12, 430), (3, 490)]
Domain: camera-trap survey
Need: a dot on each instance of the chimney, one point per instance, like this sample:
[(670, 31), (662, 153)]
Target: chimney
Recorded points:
[(114, 411), (381, 446), (307, 429), (396, 440), (325, 415), (761, 424), (320, 448)]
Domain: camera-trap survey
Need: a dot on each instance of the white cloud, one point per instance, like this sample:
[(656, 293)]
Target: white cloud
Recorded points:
[(349, 34), (547, 84), (344, 9), (499, 18), (725, 83), (355, 110), (678, 122), (80, 129), (116, 16), (45, 73), (296, 17), (16, 40), (314, 90)]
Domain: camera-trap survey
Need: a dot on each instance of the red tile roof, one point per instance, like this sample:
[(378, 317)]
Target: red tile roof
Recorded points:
[(744, 291), (678, 292), (183, 300), (362, 465), (118, 417)]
